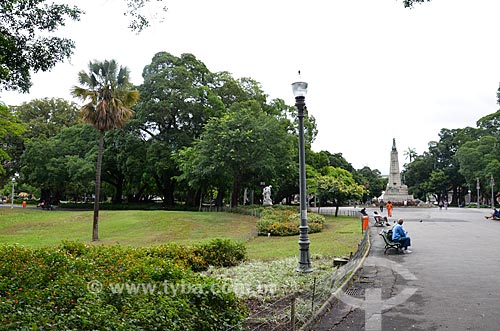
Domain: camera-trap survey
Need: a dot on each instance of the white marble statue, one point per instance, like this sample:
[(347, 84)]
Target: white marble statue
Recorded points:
[(266, 193)]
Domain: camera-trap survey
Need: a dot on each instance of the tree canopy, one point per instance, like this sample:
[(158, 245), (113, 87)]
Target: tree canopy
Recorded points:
[(11, 129), (46, 117), (27, 40), (410, 3)]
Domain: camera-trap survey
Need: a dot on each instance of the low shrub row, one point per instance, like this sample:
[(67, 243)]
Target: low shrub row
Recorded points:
[(79, 287), (125, 206), (286, 222), (217, 253)]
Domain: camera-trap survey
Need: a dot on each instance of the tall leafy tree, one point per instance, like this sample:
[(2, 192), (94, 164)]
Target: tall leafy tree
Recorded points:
[(27, 43), (498, 95), (338, 186), (45, 118), (479, 159), (124, 164), (438, 184), (490, 123), (108, 93), (417, 173), (62, 166), (176, 102), (372, 181), (245, 145), (10, 130)]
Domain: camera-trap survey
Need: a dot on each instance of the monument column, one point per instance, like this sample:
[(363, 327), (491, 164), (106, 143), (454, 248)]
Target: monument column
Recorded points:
[(395, 190), (394, 174)]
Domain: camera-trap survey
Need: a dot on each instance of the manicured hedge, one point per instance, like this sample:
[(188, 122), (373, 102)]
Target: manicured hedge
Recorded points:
[(283, 222), (80, 287)]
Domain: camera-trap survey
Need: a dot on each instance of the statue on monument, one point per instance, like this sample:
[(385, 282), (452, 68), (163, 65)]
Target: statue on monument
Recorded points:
[(266, 193)]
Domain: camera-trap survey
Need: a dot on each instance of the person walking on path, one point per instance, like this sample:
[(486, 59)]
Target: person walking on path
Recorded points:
[(382, 206), (389, 208)]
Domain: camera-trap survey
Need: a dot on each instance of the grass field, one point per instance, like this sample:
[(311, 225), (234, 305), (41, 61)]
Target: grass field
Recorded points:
[(36, 228)]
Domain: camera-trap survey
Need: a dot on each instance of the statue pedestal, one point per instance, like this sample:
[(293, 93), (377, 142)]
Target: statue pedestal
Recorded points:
[(397, 194)]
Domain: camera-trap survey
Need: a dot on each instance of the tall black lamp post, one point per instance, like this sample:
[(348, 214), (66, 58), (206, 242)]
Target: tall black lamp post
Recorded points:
[(300, 91), (477, 188), (492, 183), (12, 196)]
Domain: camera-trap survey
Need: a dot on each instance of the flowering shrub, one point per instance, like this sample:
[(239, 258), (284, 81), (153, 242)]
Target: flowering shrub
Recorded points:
[(311, 218), (79, 287), (286, 222)]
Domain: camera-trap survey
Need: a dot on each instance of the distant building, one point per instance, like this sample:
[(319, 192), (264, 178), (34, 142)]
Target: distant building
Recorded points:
[(395, 190)]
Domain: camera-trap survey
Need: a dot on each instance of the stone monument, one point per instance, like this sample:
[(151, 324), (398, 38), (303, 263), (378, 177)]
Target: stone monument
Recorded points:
[(395, 191), (266, 193)]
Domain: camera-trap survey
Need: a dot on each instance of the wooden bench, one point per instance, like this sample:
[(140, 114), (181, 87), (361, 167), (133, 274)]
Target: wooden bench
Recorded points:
[(388, 242)]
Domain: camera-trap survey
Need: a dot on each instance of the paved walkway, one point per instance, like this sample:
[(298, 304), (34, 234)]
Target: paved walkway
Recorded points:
[(451, 281)]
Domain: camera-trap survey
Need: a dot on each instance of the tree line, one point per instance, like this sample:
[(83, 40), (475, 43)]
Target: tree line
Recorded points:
[(458, 163), (195, 137)]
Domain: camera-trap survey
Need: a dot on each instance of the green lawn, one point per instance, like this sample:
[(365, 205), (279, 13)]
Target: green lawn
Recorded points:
[(36, 228), (339, 237)]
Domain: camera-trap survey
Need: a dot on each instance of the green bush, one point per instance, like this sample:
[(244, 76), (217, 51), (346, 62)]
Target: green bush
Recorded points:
[(79, 287), (286, 222), (311, 218), (217, 253), (222, 252)]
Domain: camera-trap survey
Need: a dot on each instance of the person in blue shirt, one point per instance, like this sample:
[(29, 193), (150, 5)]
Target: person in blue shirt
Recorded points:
[(401, 235)]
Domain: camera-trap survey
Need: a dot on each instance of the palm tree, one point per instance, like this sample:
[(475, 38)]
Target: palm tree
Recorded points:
[(107, 94), (410, 153)]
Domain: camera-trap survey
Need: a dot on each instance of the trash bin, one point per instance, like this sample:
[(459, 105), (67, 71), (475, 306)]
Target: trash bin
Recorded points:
[(24, 203), (365, 223)]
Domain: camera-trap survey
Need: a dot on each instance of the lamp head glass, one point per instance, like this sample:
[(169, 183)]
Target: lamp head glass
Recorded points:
[(299, 89)]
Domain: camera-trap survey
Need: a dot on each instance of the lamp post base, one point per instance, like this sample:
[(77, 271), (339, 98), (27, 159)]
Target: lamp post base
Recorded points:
[(304, 260)]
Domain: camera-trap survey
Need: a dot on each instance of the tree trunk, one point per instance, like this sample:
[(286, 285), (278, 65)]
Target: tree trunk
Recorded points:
[(193, 198), (45, 195), (219, 200), (120, 179), (95, 228), (235, 192)]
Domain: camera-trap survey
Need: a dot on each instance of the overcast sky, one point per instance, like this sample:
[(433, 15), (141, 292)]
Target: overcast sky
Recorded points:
[(376, 71)]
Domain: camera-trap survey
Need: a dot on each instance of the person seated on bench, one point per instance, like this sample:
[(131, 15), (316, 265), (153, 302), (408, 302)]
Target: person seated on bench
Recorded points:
[(400, 235), (377, 218), (494, 215)]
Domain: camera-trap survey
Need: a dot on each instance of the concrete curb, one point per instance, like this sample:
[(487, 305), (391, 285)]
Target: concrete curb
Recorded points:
[(334, 297)]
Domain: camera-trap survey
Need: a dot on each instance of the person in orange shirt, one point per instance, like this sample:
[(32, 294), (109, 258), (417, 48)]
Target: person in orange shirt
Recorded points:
[(389, 208)]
